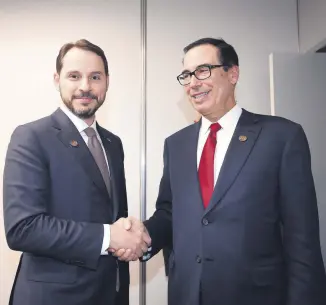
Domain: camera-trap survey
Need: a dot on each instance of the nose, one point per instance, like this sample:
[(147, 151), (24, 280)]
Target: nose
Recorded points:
[(84, 85), (194, 82)]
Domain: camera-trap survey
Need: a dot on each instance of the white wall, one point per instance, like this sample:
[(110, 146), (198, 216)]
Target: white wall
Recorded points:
[(256, 28), (31, 34), (312, 24), (298, 78)]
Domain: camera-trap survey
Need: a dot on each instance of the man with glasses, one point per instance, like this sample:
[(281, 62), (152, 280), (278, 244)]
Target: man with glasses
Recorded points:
[(237, 200)]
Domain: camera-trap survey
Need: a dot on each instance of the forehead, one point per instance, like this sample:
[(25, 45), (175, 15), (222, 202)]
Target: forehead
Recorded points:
[(81, 60), (203, 54)]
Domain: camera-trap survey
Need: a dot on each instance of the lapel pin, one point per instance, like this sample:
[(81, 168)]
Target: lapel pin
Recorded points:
[(74, 143), (243, 138)]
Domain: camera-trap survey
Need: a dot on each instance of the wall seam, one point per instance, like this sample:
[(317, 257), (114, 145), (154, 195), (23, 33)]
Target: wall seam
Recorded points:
[(143, 139)]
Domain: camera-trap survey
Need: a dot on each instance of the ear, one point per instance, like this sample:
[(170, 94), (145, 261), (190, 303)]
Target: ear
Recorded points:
[(107, 82), (56, 79), (233, 75)]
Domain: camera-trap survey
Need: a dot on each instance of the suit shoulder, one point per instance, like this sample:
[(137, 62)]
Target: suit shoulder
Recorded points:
[(183, 132), (273, 119), (26, 137), (37, 126), (278, 124)]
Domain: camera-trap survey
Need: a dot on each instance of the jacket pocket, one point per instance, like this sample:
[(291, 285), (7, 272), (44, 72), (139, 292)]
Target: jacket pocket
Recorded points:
[(48, 270)]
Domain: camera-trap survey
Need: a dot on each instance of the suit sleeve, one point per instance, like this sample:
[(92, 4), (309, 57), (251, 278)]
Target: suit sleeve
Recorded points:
[(159, 225), (26, 195), (122, 185), (305, 268)]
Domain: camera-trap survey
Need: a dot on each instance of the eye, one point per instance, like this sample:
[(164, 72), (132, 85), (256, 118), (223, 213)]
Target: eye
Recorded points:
[(202, 70), (184, 76), (96, 77), (73, 76)]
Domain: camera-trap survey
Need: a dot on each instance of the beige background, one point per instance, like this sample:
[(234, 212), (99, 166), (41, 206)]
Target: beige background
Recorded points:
[(31, 34)]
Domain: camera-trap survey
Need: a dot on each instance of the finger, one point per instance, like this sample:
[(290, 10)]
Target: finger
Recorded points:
[(127, 256), (127, 223), (119, 253), (135, 258), (139, 253), (141, 249), (136, 224), (144, 248), (147, 239)]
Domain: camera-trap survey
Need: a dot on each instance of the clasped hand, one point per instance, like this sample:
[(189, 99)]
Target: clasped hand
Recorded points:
[(129, 239)]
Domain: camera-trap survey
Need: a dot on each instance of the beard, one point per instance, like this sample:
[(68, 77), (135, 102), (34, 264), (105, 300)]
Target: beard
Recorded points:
[(83, 111)]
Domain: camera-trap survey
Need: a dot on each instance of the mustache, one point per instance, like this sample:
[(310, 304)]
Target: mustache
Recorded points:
[(85, 95)]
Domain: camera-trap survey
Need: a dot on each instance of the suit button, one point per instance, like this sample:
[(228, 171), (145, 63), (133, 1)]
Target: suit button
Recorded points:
[(205, 222), (198, 259)]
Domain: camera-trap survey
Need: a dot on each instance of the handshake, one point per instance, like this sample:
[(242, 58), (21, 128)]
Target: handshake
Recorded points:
[(129, 239)]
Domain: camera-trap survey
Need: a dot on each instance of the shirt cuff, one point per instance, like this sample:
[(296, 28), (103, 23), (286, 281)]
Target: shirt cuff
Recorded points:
[(147, 255), (106, 239)]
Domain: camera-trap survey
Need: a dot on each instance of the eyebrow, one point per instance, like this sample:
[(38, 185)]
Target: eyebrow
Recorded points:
[(93, 72), (205, 64)]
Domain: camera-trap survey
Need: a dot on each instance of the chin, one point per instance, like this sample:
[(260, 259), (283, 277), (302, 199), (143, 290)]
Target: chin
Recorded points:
[(83, 111), (83, 105), (81, 108), (202, 109)]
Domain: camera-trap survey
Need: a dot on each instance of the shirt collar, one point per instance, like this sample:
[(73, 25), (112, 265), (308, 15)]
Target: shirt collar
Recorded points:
[(78, 122), (227, 121)]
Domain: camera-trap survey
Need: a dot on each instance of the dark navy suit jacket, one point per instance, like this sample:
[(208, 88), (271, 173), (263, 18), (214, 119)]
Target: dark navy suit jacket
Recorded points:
[(55, 205), (257, 243)]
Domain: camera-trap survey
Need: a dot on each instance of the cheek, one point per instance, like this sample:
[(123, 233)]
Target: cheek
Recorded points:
[(67, 88), (99, 89), (187, 91), (100, 93), (207, 85)]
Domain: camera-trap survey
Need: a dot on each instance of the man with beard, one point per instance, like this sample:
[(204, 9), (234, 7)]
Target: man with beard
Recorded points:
[(65, 195)]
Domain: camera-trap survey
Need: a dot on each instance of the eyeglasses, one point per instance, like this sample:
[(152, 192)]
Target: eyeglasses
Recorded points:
[(201, 72)]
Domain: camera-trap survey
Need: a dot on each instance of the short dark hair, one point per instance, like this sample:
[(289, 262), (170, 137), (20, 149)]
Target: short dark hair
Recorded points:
[(227, 54), (84, 45)]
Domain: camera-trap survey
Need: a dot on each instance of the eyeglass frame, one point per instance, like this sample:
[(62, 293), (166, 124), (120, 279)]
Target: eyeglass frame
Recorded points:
[(210, 67)]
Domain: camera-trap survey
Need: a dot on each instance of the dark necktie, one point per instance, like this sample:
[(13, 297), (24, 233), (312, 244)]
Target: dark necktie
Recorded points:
[(206, 165), (96, 149)]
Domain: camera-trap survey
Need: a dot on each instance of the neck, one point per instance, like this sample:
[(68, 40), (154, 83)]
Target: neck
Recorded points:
[(89, 121), (215, 115)]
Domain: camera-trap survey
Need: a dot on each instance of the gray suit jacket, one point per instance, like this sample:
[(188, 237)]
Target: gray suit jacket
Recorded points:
[(55, 203), (258, 240)]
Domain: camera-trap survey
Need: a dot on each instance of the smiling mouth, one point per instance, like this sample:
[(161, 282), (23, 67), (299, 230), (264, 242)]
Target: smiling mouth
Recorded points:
[(198, 96)]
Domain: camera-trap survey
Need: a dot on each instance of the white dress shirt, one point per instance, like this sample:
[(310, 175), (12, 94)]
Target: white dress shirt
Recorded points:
[(228, 124), (81, 126)]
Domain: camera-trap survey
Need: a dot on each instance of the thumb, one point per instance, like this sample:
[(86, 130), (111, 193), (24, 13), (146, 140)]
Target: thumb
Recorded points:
[(127, 224)]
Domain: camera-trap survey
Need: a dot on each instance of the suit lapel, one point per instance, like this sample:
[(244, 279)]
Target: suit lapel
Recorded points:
[(189, 147), (242, 143), (71, 138), (109, 150)]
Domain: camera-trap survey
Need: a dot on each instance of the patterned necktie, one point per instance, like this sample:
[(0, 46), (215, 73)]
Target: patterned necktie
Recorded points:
[(206, 165), (96, 149)]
